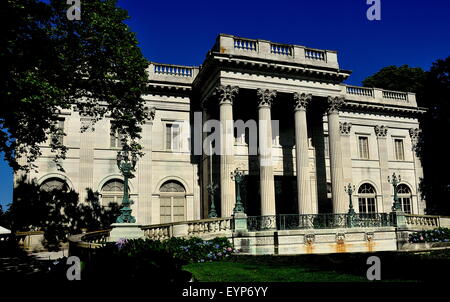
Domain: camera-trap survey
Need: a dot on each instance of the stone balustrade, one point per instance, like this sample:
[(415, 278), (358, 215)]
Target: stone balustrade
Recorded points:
[(172, 73), (422, 221), (263, 49), (313, 54), (402, 96), (379, 96), (196, 228), (159, 231), (280, 49), (361, 91)]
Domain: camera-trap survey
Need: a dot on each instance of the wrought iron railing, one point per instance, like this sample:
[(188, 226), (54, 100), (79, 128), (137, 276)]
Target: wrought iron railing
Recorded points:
[(318, 221)]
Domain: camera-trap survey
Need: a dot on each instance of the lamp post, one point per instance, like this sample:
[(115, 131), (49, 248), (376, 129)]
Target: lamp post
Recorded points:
[(212, 210), (238, 176), (126, 167), (351, 212), (350, 189), (395, 181)]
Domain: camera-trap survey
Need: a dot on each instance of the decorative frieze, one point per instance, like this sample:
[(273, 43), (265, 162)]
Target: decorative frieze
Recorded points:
[(226, 93), (335, 103), (381, 131), (301, 100), (345, 128), (265, 97)]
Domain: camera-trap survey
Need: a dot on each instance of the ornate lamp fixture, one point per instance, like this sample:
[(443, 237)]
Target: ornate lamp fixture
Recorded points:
[(395, 181), (238, 177), (126, 167), (212, 210), (350, 189)]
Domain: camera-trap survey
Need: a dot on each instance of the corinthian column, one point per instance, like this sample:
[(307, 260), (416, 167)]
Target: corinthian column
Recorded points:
[(227, 189), (86, 167), (381, 133), (144, 171), (336, 167), (346, 154), (305, 204), (267, 187), (414, 133)]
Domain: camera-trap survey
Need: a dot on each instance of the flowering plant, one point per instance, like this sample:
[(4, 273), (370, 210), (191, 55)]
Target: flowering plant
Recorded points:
[(436, 235)]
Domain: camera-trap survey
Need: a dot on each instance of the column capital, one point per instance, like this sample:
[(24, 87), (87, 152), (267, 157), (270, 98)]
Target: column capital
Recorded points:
[(149, 113), (335, 103), (381, 131), (265, 97), (345, 128), (226, 93), (301, 100), (414, 133)]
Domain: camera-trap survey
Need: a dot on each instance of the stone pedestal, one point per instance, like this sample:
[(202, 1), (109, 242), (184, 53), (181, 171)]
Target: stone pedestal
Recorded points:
[(399, 219), (125, 230), (240, 222)]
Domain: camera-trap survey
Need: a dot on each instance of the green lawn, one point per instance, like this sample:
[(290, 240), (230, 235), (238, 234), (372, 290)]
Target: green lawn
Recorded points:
[(395, 266), (243, 272)]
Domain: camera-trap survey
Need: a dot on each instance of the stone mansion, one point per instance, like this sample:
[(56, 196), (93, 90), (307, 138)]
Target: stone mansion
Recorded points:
[(330, 134)]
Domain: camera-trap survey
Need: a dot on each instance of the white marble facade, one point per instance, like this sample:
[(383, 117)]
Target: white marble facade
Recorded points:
[(347, 134)]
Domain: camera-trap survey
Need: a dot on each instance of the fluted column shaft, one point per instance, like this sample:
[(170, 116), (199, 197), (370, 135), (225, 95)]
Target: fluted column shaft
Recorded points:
[(267, 186), (227, 186), (340, 203), (305, 204), (86, 167), (381, 133), (144, 171), (414, 134)]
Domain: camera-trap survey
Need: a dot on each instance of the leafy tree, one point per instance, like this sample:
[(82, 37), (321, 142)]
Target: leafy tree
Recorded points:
[(50, 63), (433, 93), (399, 78), (58, 213), (435, 126)]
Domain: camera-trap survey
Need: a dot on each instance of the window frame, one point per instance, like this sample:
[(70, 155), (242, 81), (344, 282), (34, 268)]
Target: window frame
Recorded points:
[(180, 145), (364, 198), (396, 153), (360, 138)]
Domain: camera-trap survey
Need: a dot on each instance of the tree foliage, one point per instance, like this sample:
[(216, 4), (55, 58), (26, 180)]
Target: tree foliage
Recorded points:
[(398, 78), (58, 213), (433, 92), (50, 63)]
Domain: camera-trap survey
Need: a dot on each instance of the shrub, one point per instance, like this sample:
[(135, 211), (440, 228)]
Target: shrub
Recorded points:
[(199, 250), (152, 260), (436, 235)]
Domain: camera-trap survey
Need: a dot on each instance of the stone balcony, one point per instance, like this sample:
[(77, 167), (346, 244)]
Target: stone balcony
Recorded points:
[(263, 49), (170, 73), (379, 96)]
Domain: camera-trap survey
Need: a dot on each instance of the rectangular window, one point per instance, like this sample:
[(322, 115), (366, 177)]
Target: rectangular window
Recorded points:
[(399, 151), (173, 141), (363, 143), (59, 135), (114, 139), (326, 145)]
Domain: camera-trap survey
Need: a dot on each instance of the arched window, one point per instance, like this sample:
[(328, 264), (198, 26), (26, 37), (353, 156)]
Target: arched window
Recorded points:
[(172, 202), (367, 199), (54, 184), (112, 192), (404, 197)]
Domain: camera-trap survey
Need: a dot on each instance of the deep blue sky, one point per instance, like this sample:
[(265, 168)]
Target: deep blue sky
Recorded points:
[(413, 32)]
